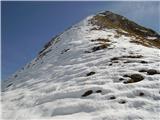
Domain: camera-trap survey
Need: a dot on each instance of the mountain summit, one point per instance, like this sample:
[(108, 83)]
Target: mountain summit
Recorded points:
[(105, 67), (108, 19)]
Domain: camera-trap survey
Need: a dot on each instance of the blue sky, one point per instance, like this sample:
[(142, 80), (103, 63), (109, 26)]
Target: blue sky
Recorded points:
[(27, 26)]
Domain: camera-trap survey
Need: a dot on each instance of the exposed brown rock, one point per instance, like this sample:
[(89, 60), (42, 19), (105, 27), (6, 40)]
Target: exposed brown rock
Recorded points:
[(9, 85), (141, 94), (91, 73), (100, 47), (122, 101), (143, 70), (100, 40), (111, 20), (65, 50), (152, 72), (137, 77), (120, 79), (98, 91), (112, 97), (134, 78), (87, 93)]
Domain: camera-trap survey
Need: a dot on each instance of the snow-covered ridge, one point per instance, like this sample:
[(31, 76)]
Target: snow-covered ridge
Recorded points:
[(87, 73)]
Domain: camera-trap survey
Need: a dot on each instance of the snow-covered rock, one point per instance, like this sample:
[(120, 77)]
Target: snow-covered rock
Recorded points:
[(99, 69)]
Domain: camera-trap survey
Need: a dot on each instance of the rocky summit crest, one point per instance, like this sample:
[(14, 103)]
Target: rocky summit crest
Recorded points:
[(122, 25), (109, 19)]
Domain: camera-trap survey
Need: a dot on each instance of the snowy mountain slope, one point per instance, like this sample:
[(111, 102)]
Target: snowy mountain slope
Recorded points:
[(104, 68)]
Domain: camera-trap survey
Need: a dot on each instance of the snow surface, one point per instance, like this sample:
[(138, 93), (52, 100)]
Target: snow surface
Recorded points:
[(151, 38), (51, 88)]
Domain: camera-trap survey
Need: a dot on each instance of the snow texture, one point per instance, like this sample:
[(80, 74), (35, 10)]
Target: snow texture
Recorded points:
[(51, 86)]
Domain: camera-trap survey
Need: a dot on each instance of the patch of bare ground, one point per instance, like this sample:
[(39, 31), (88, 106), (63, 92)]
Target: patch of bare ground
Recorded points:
[(102, 44), (90, 73), (65, 50), (134, 78), (87, 93), (100, 47), (44, 51), (126, 56), (101, 40), (111, 20), (146, 42), (140, 40)]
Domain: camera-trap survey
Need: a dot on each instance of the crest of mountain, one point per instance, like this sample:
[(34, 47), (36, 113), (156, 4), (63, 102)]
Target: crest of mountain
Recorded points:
[(106, 67)]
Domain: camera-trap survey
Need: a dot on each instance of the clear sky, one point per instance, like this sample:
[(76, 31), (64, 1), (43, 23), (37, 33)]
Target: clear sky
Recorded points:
[(27, 26)]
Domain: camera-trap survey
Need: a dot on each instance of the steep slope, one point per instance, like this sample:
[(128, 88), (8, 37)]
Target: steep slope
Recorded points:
[(104, 68)]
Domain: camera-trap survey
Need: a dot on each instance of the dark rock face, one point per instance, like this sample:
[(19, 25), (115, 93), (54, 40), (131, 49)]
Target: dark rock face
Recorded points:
[(98, 91), (143, 70), (65, 50), (126, 75), (141, 94), (143, 62), (87, 51), (43, 53), (120, 79), (132, 56), (137, 77), (115, 58), (103, 46), (112, 97), (89, 92), (112, 20), (9, 85), (126, 57), (152, 72), (100, 40), (134, 78), (15, 75), (122, 101), (90, 73), (118, 21), (110, 64)]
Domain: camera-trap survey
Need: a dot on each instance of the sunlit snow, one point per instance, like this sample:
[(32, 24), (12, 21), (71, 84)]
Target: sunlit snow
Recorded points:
[(51, 88)]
